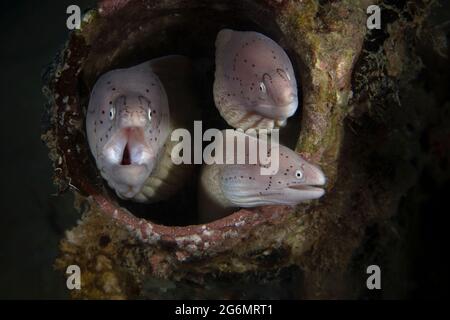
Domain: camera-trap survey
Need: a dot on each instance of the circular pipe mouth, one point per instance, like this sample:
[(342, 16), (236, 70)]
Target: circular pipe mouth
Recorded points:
[(122, 34)]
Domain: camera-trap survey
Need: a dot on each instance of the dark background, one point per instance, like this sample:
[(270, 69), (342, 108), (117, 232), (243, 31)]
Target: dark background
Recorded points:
[(33, 220)]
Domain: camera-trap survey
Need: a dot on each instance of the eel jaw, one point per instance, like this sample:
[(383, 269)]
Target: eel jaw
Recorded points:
[(278, 113), (305, 192), (129, 160), (293, 195)]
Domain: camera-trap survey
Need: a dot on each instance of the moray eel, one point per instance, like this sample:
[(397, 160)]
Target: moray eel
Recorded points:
[(128, 124), (254, 85), (225, 187)]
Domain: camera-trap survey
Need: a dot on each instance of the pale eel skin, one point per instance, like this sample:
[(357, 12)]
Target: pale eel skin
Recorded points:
[(254, 85), (128, 124), (223, 188)]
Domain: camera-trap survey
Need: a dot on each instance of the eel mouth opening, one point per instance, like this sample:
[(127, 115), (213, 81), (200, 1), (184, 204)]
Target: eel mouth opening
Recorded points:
[(126, 158), (186, 28), (128, 147)]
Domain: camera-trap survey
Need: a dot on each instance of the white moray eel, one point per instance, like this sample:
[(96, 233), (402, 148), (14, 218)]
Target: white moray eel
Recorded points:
[(223, 188), (255, 85), (128, 123)]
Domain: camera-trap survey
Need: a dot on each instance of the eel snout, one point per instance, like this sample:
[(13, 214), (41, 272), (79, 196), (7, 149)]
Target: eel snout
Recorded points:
[(130, 160)]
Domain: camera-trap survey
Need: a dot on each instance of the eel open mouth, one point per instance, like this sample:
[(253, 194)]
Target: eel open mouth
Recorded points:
[(128, 147), (126, 157), (129, 161), (305, 191)]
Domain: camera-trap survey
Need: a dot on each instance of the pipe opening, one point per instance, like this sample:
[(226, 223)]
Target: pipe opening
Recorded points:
[(132, 36)]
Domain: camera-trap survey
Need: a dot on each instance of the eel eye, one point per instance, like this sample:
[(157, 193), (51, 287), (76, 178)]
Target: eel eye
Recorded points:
[(112, 113), (298, 174), (149, 114), (262, 87)]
